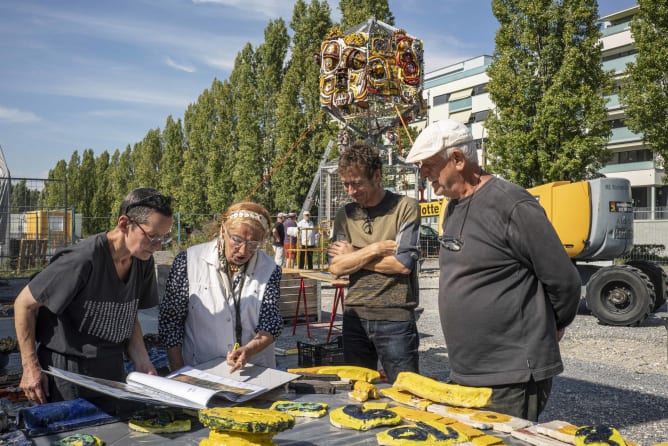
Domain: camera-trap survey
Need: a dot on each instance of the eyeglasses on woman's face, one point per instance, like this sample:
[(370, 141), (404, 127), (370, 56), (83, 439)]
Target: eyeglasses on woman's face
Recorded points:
[(237, 242), (153, 240)]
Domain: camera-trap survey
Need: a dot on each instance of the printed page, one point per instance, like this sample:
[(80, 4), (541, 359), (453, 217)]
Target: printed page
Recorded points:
[(256, 375), (189, 389), (124, 391), (228, 388)]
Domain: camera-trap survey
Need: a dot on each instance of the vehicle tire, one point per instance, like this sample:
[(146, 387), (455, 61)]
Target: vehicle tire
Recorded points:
[(658, 277), (620, 295)]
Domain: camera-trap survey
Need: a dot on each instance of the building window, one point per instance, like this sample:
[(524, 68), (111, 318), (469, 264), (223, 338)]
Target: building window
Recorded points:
[(480, 116), (441, 99), (631, 156), (479, 89), (619, 55)]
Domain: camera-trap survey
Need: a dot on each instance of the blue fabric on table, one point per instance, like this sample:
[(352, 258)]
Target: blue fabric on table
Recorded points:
[(63, 416)]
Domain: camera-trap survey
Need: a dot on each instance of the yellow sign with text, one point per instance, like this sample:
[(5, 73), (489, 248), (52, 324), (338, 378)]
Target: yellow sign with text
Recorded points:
[(430, 209)]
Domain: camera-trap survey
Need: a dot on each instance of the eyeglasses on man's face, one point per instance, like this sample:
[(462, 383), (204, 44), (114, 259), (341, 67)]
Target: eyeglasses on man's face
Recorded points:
[(238, 242), (153, 240), (450, 243)]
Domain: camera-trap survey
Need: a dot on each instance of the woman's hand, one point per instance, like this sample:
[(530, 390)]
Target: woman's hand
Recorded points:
[(237, 358)]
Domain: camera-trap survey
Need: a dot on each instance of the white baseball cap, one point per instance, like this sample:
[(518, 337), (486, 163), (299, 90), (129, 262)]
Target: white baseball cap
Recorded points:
[(437, 137), (307, 213)]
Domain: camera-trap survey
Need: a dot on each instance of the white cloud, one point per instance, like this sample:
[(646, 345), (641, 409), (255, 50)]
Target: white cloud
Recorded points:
[(276, 8), (181, 67), (91, 89), (14, 115)]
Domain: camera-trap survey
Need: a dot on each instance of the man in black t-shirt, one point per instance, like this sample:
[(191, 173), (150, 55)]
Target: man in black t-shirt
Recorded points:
[(278, 234), (507, 289)]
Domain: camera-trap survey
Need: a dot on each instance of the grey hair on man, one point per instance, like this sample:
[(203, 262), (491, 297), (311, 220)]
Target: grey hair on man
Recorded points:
[(442, 138)]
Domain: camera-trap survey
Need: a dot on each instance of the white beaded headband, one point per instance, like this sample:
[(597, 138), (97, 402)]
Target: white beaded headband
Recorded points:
[(249, 214)]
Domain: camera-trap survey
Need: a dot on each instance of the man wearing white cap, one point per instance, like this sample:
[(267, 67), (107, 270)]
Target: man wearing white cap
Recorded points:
[(507, 289)]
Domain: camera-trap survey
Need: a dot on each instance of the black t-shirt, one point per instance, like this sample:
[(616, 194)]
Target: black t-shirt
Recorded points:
[(280, 230), (88, 311)]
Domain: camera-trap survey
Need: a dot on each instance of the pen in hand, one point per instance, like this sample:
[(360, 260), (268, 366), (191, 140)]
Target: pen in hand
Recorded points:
[(235, 358)]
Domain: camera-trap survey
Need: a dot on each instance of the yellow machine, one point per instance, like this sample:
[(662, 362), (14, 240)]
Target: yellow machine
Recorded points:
[(594, 220)]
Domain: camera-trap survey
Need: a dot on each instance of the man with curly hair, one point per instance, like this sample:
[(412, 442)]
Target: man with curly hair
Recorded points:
[(379, 254)]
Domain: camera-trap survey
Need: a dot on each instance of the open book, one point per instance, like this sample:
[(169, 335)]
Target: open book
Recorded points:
[(206, 385)]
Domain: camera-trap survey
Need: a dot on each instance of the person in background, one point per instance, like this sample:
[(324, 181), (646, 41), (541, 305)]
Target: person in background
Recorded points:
[(507, 289), (278, 234), (380, 254), (80, 313), (290, 245), (307, 240), (222, 297)]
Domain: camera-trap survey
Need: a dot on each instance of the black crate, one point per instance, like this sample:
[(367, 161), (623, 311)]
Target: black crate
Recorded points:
[(311, 355)]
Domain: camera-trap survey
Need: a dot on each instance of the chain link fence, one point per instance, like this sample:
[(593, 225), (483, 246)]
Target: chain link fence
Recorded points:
[(33, 225)]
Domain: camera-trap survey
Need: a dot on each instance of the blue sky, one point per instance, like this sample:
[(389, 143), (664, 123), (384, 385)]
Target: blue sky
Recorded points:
[(92, 74)]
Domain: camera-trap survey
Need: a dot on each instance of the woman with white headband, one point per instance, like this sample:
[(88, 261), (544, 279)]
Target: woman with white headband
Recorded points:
[(222, 296)]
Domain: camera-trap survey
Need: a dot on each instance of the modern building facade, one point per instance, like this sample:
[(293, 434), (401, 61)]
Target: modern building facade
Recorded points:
[(459, 92)]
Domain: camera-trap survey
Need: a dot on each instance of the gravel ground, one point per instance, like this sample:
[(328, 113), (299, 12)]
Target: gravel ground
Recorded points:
[(613, 375)]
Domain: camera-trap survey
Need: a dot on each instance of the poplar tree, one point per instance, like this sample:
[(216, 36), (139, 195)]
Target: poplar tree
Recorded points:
[(221, 160), (270, 61), (248, 161), (298, 106), (171, 163), (354, 12), (73, 185), (644, 92), (121, 177), (55, 191), (199, 120), (102, 198), (87, 187), (547, 85), (146, 158)]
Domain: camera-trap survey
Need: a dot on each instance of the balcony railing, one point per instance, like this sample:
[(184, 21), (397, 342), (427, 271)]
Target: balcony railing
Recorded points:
[(645, 213)]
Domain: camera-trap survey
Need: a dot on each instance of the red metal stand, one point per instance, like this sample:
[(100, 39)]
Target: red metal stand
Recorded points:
[(338, 299), (339, 293), (302, 296)]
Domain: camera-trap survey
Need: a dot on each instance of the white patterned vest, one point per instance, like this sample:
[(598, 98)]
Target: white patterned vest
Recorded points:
[(209, 326)]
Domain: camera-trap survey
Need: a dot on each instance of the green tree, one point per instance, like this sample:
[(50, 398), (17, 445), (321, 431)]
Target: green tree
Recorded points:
[(172, 157), (298, 106), (547, 84), (87, 188), (55, 190), (199, 120), (221, 161), (102, 199), (248, 161), (121, 176), (354, 12), (73, 183), (644, 92), (22, 199), (270, 59), (146, 158)]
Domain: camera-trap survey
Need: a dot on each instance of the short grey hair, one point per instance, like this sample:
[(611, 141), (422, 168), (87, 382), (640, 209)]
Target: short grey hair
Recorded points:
[(468, 149)]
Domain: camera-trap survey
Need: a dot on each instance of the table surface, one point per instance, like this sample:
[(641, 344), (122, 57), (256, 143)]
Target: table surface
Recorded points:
[(306, 432), (324, 276)]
